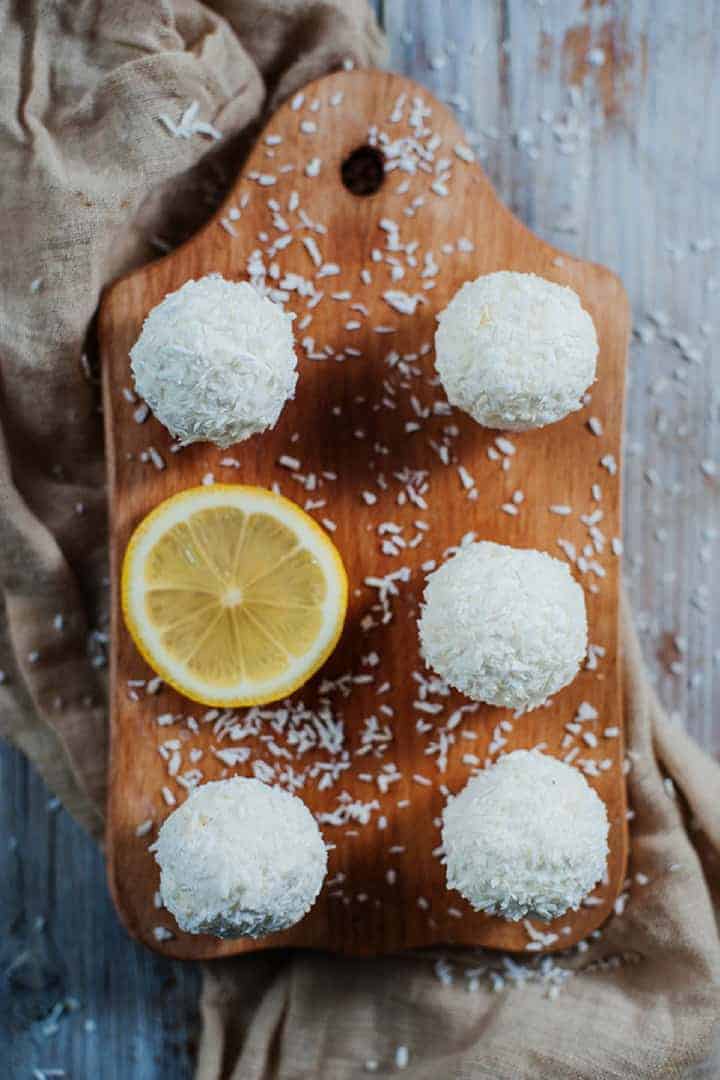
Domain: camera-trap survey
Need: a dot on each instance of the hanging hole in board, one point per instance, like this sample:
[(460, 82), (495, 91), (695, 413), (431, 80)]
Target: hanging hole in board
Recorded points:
[(363, 171)]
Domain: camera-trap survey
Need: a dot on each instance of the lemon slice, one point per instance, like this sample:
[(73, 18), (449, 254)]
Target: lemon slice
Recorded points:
[(233, 594)]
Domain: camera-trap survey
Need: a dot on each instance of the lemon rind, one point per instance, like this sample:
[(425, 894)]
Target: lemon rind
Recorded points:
[(250, 499)]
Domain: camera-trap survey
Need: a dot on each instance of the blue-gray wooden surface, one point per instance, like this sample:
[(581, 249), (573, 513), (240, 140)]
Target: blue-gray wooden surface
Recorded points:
[(597, 122)]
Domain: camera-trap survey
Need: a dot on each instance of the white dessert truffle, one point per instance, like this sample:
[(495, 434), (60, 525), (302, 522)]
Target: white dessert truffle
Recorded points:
[(515, 351), (504, 625), (215, 361), (527, 836), (240, 859)]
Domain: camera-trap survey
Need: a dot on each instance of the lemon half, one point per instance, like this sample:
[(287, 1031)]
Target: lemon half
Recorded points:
[(233, 594)]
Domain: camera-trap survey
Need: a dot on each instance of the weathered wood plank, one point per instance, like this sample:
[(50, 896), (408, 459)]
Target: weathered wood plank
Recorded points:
[(652, 177), (127, 1014)]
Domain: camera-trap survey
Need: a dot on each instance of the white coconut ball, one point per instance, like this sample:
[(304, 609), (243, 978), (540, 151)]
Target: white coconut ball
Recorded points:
[(240, 859), (504, 625), (515, 351), (527, 836), (215, 361)]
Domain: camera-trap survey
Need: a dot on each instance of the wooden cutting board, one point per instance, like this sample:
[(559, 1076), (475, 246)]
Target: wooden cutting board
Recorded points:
[(370, 742)]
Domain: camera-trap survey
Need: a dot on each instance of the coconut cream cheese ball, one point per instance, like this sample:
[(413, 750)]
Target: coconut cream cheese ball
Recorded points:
[(515, 351), (215, 361), (240, 859), (506, 626), (525, 837)]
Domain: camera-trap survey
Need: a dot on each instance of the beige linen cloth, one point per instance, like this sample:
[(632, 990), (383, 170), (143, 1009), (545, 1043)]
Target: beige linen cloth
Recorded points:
[(90, 182)]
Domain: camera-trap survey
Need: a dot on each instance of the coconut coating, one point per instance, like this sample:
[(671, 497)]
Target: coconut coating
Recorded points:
[(240, 859), (525, 837), (215, 361), (515, 351), (504, 625)]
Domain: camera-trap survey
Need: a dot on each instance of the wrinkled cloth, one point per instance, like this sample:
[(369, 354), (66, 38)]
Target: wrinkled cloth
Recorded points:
[(88, 174)]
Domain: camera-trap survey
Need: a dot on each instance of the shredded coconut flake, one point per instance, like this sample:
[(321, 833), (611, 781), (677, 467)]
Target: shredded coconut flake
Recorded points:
[(515, 351), (506, 626), (239, 858), (507, 846), (215, 361)]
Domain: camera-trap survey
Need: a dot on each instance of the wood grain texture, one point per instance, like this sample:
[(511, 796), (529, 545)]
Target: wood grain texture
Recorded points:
[(639, 180), (365, 439)]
